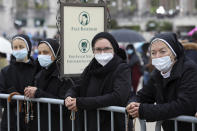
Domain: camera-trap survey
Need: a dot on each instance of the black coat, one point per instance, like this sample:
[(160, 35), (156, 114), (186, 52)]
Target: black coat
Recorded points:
[(101, 87), (192, 54), (173, 96), (14, 78), (50, 86)]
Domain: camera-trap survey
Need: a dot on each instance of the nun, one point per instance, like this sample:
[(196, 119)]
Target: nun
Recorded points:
[(16, 76), (171, 90), (49, 85), (106, 81)]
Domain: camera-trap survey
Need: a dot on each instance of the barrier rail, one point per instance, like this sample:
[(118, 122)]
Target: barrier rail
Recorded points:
[(38, 100), (111, 109), (189, 119)]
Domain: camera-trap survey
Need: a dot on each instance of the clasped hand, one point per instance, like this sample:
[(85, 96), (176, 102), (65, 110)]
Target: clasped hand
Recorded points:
[(30, 91), (71, 103), (133, 109)]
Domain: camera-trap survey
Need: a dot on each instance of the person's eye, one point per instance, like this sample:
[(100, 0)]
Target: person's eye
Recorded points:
[(107, 48), (153, 53), (163, 52), (21, 47), (45, 52), (15, 47), (98, 49)]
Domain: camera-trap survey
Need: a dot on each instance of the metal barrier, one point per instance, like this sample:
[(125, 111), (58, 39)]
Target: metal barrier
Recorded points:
[(111, 109), (50, 101), (38, 100), (189, 119)]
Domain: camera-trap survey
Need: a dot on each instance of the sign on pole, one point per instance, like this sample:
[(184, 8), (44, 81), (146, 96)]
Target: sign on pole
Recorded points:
[(79, 24)]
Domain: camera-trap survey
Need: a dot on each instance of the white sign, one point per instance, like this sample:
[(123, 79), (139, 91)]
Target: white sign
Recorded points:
[(80, 25)]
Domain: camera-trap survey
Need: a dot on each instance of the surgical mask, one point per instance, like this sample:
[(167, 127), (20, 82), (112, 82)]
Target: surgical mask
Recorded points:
[(20, 54), (45, 60), (129, 51), (36, 51), (163, 64), (103, 58)]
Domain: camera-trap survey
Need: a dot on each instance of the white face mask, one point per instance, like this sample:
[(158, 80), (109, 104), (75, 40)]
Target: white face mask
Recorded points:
[(103, 58), (163, 64), (45, 60), (20, 54)]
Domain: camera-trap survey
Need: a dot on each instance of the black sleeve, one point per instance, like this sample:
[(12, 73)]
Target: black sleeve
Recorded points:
[(68, 84), (147, 93), (74, 91), (4, 88), (119, 96), (2, 83), (41, 93), (55, 89), (184, 104)]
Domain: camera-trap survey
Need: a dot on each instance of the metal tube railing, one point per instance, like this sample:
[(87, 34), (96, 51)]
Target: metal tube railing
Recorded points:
[(122, 110), (38, 110), (189, 119), (98, 120), (18, 117), (8, 115), (61, 119), (111, 109), (73, 122), (38, 100), (49, 116), (112, 121), (85, 120)]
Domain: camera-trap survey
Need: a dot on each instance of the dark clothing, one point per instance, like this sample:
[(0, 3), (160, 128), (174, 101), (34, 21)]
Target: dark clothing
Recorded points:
[(50, 86), (192, 54), (174, 96), (136, 70), (165, 98), (100, 87), (14, 78), (191, 51)]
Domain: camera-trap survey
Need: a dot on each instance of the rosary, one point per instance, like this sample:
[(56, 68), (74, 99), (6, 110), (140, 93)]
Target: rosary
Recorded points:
[(28, 106)]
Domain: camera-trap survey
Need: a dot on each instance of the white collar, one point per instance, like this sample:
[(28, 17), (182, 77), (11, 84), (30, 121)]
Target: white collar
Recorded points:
[(167, 74)]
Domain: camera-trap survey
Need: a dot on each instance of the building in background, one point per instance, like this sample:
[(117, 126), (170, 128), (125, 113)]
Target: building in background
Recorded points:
[(35, 16), (30, 16)]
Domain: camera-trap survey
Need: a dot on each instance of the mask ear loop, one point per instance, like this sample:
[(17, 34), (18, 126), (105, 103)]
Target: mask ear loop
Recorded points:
[(58, 61)]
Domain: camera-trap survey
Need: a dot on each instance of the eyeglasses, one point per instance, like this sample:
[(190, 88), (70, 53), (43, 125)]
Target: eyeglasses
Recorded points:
[(99, 50)]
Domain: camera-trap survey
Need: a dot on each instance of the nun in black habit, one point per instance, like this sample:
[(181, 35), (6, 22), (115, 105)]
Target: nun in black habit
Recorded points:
[(48, 84), (171, 90), (16, 76), (106, 81)]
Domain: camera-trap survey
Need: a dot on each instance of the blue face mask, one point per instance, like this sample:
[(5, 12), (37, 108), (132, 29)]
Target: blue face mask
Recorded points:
[(36, 51), (129, 51), (45, 60), (20, 54)]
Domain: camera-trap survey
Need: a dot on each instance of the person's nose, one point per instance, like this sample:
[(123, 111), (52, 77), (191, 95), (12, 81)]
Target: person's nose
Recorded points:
[(102, 51), (158, 55)]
